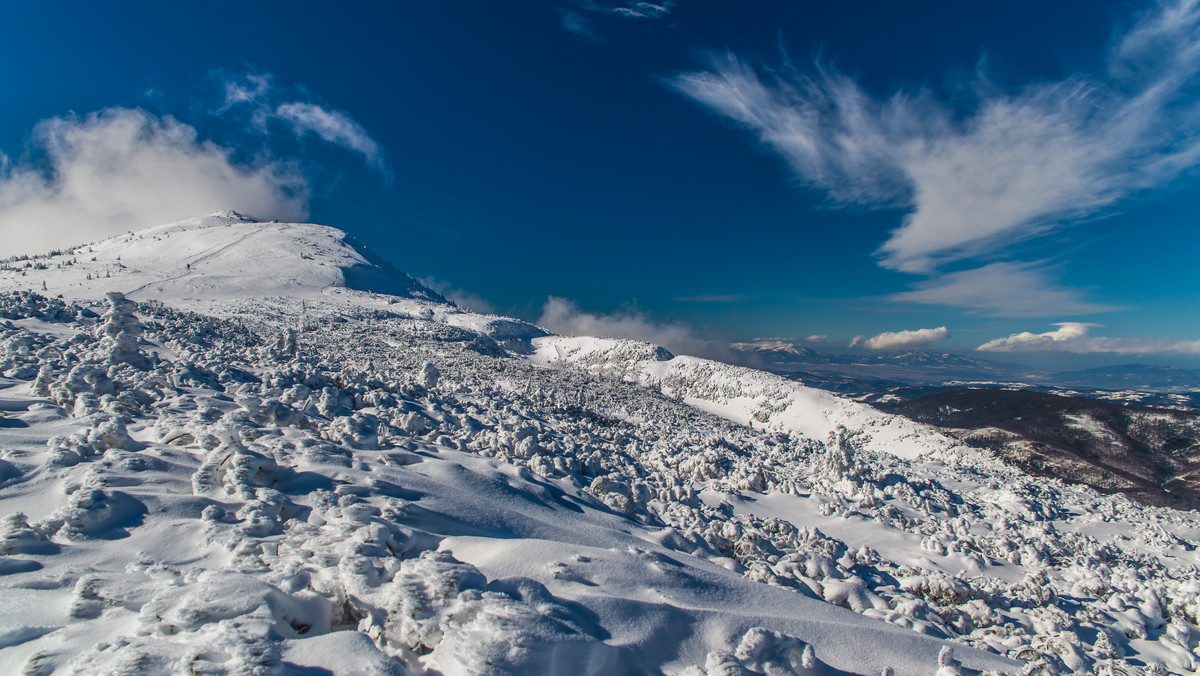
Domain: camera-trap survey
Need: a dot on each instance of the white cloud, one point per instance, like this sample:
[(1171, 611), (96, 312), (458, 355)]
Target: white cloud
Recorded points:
[(817, 338), (974, 178), (829, 131), (902, 340), (1002, 290), (249, 88), (579, 22), (256, 93), (642, 10), (88, 177), (1076, 337), (120, 169), (627, 10), (464, 299), (333, 127), (564, 317)]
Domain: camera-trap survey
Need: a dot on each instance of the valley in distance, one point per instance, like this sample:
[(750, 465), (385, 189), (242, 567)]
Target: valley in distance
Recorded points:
[(230, 446)]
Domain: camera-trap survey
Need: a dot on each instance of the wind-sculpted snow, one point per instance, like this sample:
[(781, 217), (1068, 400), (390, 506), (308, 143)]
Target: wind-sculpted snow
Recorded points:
[(226, 256), (740, 394), (357, 483), (992, 545)]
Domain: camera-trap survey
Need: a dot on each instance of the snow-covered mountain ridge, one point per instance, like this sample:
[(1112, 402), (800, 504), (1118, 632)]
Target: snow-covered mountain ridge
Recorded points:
[(903, 375), (743, 395), (286, 473), (223, 257)]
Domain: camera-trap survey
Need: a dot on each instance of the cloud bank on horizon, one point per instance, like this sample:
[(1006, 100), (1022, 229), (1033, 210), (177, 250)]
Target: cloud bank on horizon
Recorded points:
[(903, 340), (84, 178), (1018, 164), (1076, 337)]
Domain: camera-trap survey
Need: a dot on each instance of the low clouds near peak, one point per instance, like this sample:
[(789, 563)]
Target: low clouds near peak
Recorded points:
[(564, 317), (464, 299), (124, 168), (85, 177)]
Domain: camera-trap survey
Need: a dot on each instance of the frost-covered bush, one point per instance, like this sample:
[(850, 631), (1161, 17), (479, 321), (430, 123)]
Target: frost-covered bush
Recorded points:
[(279, 444)]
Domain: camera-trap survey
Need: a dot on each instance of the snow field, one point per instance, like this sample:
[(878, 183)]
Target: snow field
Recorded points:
[(390, 485)]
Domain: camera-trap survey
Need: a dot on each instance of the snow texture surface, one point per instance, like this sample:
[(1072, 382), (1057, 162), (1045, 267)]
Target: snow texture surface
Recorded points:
[(234, 447)]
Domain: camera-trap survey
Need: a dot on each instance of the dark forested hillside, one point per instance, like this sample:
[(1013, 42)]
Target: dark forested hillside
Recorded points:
[(1152, 455)]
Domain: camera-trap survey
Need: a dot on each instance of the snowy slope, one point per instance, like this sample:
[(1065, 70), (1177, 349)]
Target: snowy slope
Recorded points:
[(219, 258), (260, 469), (744, 395)]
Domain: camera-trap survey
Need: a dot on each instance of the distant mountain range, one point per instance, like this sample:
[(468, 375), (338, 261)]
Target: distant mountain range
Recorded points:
[(911, 373), (783, 353), (909, 367), (1091, 426), (1133, 377), (247, 446)]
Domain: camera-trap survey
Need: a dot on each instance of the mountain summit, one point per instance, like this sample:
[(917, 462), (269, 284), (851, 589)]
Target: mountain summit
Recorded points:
[(235, 447), (221, 257)]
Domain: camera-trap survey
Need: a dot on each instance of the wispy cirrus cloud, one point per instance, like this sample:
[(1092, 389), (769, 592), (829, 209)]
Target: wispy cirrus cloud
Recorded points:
[(1002, 290), (641, 10), (710, 298), (902, 340), (256, 93), (579, 17), (1009, 165), (248, 88), (1076, 337), (331, 126)]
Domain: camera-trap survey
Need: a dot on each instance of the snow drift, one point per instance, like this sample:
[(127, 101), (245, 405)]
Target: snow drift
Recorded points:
[(242, 447)]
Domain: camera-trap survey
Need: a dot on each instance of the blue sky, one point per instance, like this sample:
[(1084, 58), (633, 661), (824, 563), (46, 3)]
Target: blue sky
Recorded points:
[(1022, 175)]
